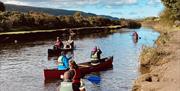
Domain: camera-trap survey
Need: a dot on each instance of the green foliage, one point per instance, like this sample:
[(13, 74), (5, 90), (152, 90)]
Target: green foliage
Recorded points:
[(2, 7), (55, 12), (151, 19), (172, 11), (39, 20), (5, 23), (129, 23)]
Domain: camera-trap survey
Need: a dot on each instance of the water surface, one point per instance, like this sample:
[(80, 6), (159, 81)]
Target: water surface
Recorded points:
[(22, 64)]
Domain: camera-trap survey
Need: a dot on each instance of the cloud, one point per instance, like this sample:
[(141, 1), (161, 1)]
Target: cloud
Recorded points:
[(71, 3), (117, 13), (125, 8), (15, 2), (154, 3), (133, 13)]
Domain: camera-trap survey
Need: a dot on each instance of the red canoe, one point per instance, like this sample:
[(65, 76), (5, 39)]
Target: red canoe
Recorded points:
[(85, 68)]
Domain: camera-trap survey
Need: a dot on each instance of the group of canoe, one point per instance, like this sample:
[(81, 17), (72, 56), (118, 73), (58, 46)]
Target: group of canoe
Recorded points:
[(72, 74)]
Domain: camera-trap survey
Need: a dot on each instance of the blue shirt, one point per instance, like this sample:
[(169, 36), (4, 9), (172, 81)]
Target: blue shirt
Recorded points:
[(64, 62)]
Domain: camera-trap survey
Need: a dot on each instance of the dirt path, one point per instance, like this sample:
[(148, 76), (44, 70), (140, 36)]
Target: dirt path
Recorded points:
[(164, 75)]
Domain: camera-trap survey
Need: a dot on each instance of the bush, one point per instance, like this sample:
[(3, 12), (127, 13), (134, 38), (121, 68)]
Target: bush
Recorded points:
[(39, 20), (5, 23), (2, 7), (171, 12)]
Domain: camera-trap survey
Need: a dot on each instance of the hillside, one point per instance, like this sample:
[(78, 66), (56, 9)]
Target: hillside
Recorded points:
[(56, 12)]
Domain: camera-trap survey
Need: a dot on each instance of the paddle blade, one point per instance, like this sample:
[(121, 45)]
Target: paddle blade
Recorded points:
[(94, 79)]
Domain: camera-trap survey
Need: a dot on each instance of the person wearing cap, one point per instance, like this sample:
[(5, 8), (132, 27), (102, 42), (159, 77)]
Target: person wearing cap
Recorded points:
[(58, 44), (95, 55), (63, 62)]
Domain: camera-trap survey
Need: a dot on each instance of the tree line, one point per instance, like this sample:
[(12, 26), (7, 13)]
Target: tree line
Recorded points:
[(171, 13), (18, 21)]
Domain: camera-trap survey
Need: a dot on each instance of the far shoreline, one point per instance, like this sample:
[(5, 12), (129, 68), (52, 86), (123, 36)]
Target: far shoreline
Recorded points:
[(10, 37)]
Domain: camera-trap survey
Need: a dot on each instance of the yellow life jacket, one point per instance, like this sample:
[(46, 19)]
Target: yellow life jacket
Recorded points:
[(60, 60), (66, 86), (94, 56)]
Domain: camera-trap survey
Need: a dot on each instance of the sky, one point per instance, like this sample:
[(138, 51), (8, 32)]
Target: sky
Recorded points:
[(132, 9)]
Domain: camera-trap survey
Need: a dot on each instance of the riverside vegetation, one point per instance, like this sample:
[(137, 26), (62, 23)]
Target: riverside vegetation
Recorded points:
[(20, 21), (160, 66)]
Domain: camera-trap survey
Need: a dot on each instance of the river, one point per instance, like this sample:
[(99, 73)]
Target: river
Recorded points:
[(22, 64)]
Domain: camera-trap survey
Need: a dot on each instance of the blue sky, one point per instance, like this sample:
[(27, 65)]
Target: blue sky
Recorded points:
[(117, 8)]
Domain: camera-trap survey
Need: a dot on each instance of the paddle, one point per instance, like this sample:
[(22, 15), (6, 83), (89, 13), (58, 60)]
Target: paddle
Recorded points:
[(94, 79)]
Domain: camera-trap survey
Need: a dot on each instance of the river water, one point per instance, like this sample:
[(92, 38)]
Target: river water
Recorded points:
[(22, 64)]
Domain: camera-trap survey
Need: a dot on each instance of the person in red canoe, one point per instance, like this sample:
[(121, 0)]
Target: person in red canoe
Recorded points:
[(63, 61), (58, 44), (95, 55), (66, 85), (76, 74), (71, 78), (135, 35)]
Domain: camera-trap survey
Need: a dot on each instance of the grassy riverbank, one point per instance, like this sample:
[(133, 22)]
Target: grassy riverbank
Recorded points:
[(160, 66)]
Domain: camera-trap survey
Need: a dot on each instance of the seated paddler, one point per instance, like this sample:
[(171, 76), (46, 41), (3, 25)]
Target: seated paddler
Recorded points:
[(63, 62), (95, 55), (72, 78), (58, 44)]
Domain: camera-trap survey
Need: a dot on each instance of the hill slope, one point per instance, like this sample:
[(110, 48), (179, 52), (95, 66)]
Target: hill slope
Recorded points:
[(56, 12)]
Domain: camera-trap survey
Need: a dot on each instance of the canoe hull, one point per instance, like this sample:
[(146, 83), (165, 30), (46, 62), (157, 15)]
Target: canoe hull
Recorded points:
[(85, 68), (53, 52)]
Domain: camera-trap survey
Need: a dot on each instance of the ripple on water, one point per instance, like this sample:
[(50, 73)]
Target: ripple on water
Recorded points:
[(22, 64)]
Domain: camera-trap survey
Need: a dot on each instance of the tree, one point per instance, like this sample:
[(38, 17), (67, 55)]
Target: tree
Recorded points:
[(172, 9), (77, 14), (5, 24), (2, 7)]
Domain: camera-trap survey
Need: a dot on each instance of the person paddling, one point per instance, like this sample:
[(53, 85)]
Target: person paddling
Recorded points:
[(72, 75), (95, 55), (76, 74), (58, 44), (135, 35), (66, 85), (69, 43), (63, 62)]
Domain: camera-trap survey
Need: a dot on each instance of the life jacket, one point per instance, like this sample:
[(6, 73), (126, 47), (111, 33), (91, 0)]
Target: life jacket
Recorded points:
[(66, 86), (63, 63), (58, 44), (94, 56), (60, 60), (77, 76), (67, 46)]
